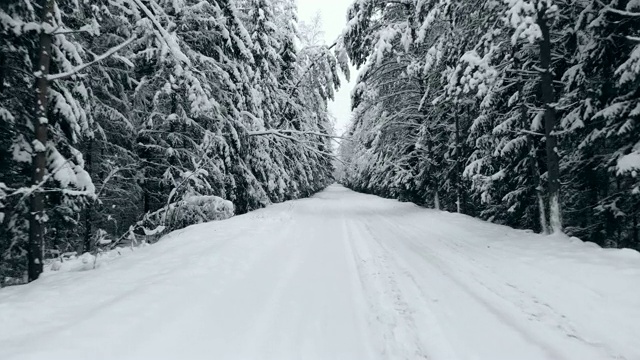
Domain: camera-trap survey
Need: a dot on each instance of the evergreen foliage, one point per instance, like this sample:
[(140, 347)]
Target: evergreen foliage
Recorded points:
[(522, 112), (156, 115)]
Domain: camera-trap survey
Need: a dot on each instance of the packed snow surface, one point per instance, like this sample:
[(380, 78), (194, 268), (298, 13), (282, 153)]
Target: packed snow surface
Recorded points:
[(338, 276)]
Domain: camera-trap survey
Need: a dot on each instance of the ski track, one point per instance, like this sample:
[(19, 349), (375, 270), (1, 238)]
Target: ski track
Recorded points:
[(340, 275)]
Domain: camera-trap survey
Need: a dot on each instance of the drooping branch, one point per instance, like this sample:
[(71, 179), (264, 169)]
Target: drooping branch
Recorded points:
[(286, 133), (98, 59), (166, 37), (622, 12), (282, 132), (308, 69)]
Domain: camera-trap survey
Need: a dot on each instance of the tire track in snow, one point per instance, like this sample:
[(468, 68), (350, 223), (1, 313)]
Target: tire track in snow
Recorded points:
[(527, 302), (399, 312), (512, 306)]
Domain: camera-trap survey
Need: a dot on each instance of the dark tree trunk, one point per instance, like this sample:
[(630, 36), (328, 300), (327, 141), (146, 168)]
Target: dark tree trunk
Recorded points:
[(146, 198), (548, 99), (35, 254), (88, 211), (458, 148), (634, 242)]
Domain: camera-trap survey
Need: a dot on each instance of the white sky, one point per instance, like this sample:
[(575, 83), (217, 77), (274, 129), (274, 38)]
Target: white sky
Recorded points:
[(334, 14)]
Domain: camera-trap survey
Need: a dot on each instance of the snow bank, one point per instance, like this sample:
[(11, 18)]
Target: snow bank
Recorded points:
[(71, 262), (197, 209), (192, 209)]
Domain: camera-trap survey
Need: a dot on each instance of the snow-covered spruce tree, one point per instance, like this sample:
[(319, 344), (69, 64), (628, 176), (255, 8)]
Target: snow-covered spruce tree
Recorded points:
[(463, 68), (533, 21), (198, 132), (191, 89), (44, 106), (279, 149), (266, 45), (152, 107), (109, 146), (497, 79), (312, 87), (522, 72), (272, 38), (524, 94), (416, 43), (601, 89), (391, 171), (195, 100), (291, 154)]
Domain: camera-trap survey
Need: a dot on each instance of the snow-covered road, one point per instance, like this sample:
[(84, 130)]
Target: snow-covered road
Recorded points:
[(337, 276)]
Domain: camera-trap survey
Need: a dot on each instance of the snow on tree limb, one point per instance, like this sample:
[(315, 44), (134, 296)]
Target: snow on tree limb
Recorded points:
[(169, 40), (98, 59)]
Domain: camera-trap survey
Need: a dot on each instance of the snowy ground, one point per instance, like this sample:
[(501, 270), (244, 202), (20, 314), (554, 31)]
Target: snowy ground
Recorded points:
[(338, 276)]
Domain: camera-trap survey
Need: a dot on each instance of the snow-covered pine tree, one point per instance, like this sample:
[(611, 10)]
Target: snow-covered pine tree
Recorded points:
[(153, 106), (602, 101), (188, 134), (40, 48), (546, 95)]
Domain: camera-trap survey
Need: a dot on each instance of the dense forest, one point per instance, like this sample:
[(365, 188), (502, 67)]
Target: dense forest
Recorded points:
[(121, 120), (521, 112)]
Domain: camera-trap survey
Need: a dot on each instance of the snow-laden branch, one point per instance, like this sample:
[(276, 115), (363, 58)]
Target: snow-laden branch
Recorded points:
[(272, 132), (525, 132), (286, 133), (283, 132), (622, 12), (170, 41), (79, 68), (310, 67), (26, 191), (110, 176)]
